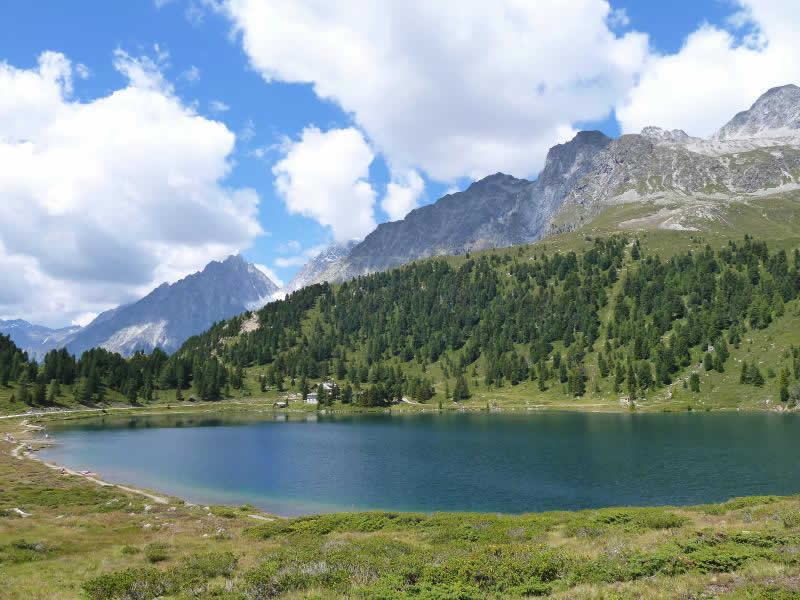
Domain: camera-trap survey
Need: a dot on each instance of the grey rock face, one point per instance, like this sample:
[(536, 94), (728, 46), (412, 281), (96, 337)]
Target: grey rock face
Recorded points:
[(775, 114), (36, 340), (587, 174), (664, 136), (482, 216), (170, 314), (325, 266)]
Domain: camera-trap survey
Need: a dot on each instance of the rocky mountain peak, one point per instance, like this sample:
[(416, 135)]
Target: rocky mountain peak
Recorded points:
[(775, 114), (171, 313), (325, 266), (665, 136)]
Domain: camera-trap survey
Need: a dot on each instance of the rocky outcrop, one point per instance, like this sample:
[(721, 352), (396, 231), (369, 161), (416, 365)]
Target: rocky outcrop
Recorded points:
[(775, 114), (325, 266), (171, 313), (758, 151)]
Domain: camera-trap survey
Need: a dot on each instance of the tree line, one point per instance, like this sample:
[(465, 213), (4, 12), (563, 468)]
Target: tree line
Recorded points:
[(611, 315)]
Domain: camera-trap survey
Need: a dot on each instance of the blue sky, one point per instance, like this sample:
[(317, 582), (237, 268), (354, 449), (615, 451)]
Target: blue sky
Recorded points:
[(223, 75)]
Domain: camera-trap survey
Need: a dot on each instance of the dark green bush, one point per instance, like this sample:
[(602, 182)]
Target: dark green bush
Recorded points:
[(156, 552), (22, 551), (721, 558), (660, 520), (213, 564), (131, 584)]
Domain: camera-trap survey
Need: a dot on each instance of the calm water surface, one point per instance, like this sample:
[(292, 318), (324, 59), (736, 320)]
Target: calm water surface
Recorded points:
[(464, 462)]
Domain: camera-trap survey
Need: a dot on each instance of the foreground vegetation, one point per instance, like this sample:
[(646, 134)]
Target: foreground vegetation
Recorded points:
[(82, 540)]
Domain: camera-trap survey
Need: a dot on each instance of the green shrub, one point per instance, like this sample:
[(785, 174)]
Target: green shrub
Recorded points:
[(791, 519), (130, 550), (224, 512), (133, 584), (55, 497), (156, 552), (749, 592), (22, 551), (213, 564), (660, 520), (721, 558)]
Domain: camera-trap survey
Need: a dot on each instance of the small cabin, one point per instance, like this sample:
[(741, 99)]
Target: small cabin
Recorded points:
[(312, 398), (279, 405)]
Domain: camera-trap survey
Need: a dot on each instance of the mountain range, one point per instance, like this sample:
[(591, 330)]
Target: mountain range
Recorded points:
[(674, 181), (36, 340), (164, 318), (684, 181)]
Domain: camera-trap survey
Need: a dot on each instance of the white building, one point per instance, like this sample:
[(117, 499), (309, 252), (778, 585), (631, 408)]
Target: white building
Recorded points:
[(312, 398)]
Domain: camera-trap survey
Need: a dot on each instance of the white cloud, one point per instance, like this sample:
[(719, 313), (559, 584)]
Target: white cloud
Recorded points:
[(83, 319), (191, 74), (103, 200), (218, 106), (402, 194), (289, 247), (195, 14), (300, 258), (463, 91), (718, 73), (619, 18), (248, 132), (82, 71), (323, 175), (290, 261), (270, 273)]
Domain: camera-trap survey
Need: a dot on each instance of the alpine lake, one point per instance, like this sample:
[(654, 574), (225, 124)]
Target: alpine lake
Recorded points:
[(503, 463)]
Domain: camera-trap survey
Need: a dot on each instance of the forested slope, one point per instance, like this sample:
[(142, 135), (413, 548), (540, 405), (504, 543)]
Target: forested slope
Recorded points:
[(608, 319)]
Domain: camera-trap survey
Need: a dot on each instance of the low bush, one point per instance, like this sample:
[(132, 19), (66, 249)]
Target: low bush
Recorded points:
[(213, 564), (132, 584), (660, 520), (156, 552)]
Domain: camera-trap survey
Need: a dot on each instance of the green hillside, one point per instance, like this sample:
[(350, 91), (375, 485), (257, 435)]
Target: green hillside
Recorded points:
[(606, 317)]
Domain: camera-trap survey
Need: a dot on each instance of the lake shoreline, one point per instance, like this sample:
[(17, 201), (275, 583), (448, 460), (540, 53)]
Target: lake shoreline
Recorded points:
[(732, 547), (260, 406), (286, 501)]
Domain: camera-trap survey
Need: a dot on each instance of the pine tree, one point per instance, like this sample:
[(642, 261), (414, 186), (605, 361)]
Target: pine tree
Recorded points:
[(22, 389), (744, 377), (461, 390), (602, 365), (708, 361), (40, 396), (756, 378), (347, 394), (631, 381), (694, 382)]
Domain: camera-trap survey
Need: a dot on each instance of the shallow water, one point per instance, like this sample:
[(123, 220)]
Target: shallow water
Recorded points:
[(430, 462)]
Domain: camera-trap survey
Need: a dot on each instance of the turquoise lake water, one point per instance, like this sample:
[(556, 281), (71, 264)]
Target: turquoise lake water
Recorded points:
[(431, 462)]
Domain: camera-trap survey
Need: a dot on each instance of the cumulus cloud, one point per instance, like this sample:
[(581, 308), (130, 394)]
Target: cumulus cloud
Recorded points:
[(218, 106), (402, 194), (191, 74), (270, 273), (717, 72), (103, 200), (323, 175), (465, 92)]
